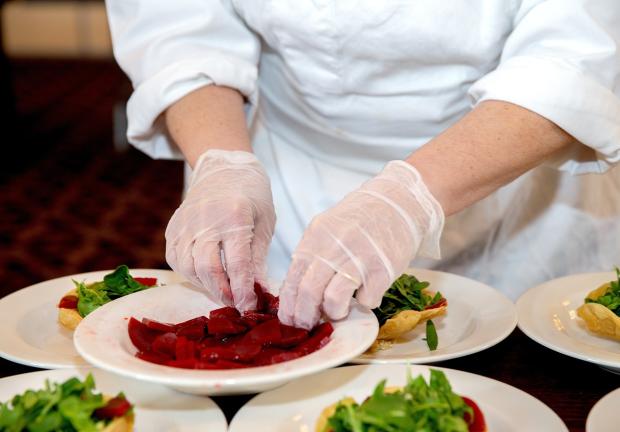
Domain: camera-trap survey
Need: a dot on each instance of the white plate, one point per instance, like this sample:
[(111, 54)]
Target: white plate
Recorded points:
[(478, 317), (604, 415), (548, 314), (297, 405), (157, 408), (102, 339), (30, 333)]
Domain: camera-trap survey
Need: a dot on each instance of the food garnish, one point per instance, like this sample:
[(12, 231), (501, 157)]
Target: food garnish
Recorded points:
[(85, 298), (418, 406), (406, 304), (227, 339), (601, 309)]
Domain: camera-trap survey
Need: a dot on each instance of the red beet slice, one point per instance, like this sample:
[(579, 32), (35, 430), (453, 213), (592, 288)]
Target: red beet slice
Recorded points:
[(220, 364), (185, 349), (265, 302), (68, 302), (238, 353), (193, 331), (225, 326), (265, 356), (265, 333), (116, 407), (159, 326), (185, 363), (285, 356), (225, 312), (152, 357), (254, 317), (291, 336), (165, 343), (198, 320), (141, 336), (318, 339)]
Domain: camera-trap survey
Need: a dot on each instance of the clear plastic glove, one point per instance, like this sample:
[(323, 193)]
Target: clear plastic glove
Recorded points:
[(227, 215), (363, 243)]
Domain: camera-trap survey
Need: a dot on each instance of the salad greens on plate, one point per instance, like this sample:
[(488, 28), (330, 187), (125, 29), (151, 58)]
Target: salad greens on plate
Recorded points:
[(418, 406), (70, 406)]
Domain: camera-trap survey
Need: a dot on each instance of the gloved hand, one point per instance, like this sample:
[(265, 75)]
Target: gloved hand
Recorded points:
[(363, 243), (227, 212)]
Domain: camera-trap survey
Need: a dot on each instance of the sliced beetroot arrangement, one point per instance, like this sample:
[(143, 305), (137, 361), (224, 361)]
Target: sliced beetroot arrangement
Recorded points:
[(226, 339)]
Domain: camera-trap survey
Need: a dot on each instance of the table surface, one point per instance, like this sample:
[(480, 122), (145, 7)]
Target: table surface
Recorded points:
[(568, 386)]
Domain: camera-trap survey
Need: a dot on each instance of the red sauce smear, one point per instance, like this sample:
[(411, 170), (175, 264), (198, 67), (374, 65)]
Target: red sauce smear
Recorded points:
[(68, 302), (477, 424), (440, 303), (146, 281), (227, 339), (116, 407)]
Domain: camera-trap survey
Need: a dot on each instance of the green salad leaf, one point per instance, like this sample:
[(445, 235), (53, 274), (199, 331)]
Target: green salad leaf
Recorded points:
[(405, 294), (120, 283), (418, 406), (432, 340), (117, 284), (68, 406), (611, 298)]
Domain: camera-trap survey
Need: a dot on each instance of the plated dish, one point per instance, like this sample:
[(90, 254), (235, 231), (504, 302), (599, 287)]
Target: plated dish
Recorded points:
[(548, 313), (88, 296), (103, 340), (300, 405), (461, 325), (603, 416), (133, 406), (31, 334)]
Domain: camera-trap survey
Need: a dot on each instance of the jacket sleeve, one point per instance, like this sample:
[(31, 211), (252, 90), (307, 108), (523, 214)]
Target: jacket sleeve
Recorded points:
[(562, 61), (169, 48)]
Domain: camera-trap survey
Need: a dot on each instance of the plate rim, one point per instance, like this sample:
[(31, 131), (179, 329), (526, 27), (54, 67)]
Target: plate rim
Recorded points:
[(593, 413), (530, 330), (498, 337), (426, 368), (85, 369), (9, 355)]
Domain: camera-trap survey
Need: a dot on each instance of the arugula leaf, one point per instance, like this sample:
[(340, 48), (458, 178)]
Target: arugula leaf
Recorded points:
[(117, 284), (418, 406), (90, 297), (120, 283), (68, 406), (611, 298), (432, 340), (405, 294)]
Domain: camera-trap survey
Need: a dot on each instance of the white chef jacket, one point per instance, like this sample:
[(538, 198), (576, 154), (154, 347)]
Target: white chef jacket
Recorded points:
[(336, 89)]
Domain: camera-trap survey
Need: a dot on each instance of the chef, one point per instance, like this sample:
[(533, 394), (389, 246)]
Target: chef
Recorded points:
[(474, 136)]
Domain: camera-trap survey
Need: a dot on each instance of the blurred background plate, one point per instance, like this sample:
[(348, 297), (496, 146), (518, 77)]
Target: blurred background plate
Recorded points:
[(156, 407), (604, 415), (548, 315)]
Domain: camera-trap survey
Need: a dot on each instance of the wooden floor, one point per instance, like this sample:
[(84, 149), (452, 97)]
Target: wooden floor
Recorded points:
[(69, 202)]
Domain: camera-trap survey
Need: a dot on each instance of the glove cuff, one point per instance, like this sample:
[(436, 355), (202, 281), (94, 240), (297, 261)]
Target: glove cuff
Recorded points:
[(410, 178), (223, 158)]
